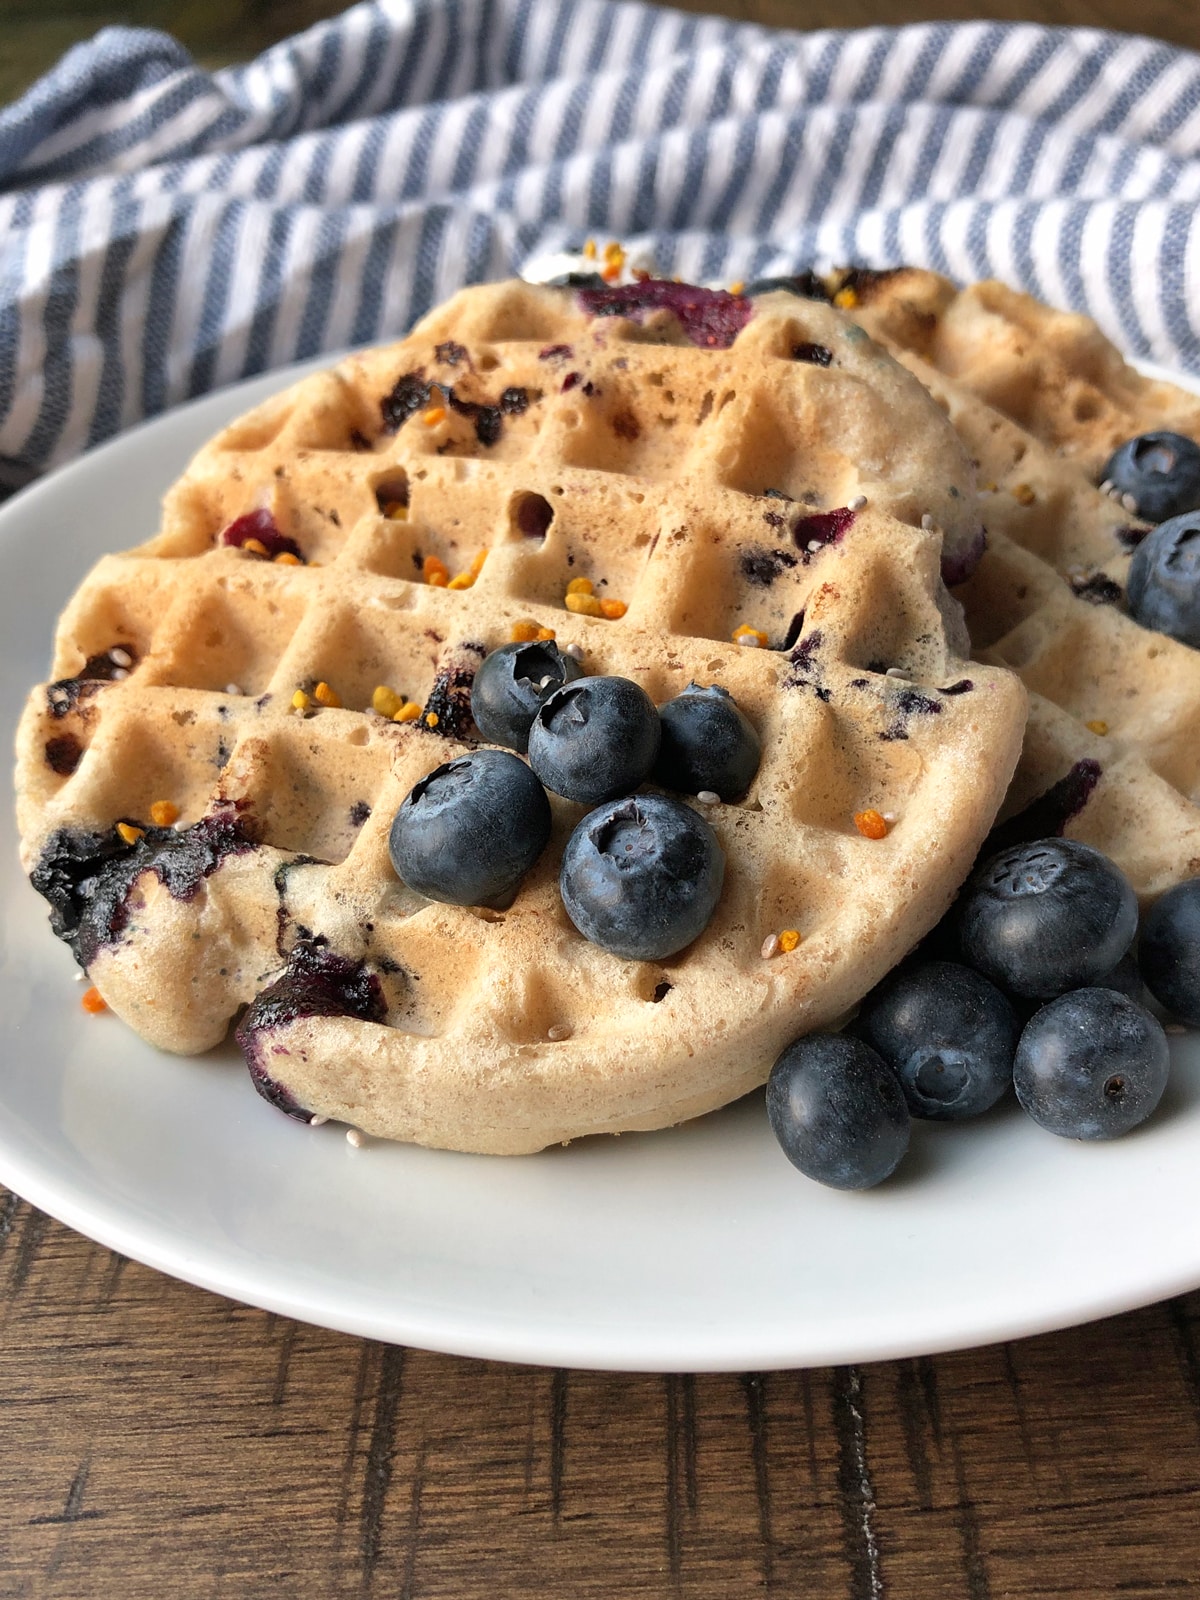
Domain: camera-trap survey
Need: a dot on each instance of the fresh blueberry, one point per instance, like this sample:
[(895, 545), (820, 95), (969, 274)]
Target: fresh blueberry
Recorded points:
[(1160, 470), (837, 1111), (1046, 917), (595, 739), (469, 832), (1091, 1065), (707, 743), (511, 686), (1164, 579), (948, 1035), (641, 877), (1169, 951)]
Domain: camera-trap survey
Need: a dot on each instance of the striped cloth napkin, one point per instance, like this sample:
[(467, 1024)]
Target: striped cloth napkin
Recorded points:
[(165, 230)]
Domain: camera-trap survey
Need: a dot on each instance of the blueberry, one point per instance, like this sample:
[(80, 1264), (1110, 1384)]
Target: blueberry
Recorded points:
[(469, 832), (837, 1111), (1046, 917), (595, 739), (1169, 951), (1160, 470), (707, 743), (1164, 579), (948, 1035), (1091, 1065), (641, 877), (511, 686)]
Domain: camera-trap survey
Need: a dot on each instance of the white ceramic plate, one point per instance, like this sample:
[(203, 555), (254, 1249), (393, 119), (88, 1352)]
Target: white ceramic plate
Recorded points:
[(696, 1249)]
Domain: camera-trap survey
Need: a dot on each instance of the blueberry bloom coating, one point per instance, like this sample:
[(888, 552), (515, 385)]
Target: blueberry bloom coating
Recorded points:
[(1164, 579), (1169, 951), (1160, 470), (947, 1033), (707, 743), (1091, 1065), (469, 832), (512, 685), (641, 877), (595, 739), (1046, 917), (837, 1111)]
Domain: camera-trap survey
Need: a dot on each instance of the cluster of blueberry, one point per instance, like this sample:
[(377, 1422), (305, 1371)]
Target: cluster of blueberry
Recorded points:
[(642, 873), (942, 1040), (1157, 477)]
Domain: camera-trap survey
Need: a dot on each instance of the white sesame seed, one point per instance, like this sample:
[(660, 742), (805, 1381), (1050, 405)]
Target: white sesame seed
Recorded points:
[(1130, 504), (927, 521), (119, 657), (858, 502), (748, 641), (233, 688), (317, 1121), (559, 1032), (546, 682), (770, 946), (81, 977), (1106, 486), (356, 1137), (900, 672), (119, 673), (813, 546), (888, 816), (708, 797)]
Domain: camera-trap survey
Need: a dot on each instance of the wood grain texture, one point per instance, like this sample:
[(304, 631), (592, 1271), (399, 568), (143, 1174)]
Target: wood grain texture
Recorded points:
[(158, 1440)]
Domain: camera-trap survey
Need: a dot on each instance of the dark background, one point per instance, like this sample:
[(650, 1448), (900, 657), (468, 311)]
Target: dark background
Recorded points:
[(34, 33)]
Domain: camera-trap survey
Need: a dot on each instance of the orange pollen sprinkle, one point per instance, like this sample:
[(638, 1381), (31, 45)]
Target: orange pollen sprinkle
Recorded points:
[(94, 1002), (1098, 726), (870, 824), (544, 634), (432, 719), (129, 833), (386, 701), (584, 605), (589, 250), (327, 696), (300, 701), (1023, 494), (788, 940), (408, 712), (396, 511), (580, 586), (747, 635), (477, 561), (736, 288), (286, 558), (464, 580), (255, 546), (435, 571), (163, 813), (845, 299), (524, 632), (614, 610), (433, 416)]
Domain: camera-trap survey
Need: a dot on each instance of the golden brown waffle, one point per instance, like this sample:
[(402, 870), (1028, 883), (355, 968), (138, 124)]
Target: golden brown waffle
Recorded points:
[(565, 447), (1040, 399)]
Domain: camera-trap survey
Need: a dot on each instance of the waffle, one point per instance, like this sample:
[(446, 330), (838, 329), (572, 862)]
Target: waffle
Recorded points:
[(612, 448), (1040, 399)]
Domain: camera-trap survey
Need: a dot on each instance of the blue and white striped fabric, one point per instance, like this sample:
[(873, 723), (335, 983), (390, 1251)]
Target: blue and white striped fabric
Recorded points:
[(164, 230)]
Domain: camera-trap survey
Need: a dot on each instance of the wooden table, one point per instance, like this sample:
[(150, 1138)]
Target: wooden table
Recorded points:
[(158, 1441)]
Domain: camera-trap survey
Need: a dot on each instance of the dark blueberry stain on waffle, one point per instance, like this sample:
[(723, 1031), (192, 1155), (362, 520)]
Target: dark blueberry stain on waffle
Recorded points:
[(260, 526), (1130, 538), (315, 983), (806, 668), (410, 394), (448, 704), (556, 352), (1048, 815), (359, 812), (710, 318), (913, 703), (63, 754), (283, 916), (488, 416), (1098, 589), (819, 355), (963, 686), (108, 667), (761, 566), (450, 353), (86, 877), (815, 533)]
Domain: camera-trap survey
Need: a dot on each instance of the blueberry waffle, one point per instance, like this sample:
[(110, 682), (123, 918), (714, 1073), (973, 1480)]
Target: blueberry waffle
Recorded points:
[(674, 485)]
